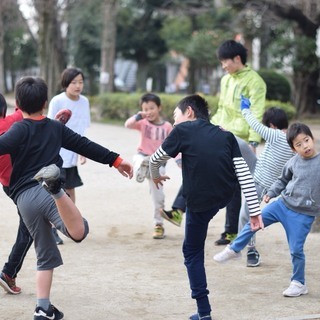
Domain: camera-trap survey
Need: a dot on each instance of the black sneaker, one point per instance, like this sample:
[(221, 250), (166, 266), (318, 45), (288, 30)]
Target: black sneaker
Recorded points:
[(226, 238), (49, 178), (52, 313), (253, 258), (56, 236)]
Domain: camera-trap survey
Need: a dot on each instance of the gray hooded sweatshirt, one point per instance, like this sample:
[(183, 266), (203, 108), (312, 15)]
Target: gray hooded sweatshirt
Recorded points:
[(299, 185)]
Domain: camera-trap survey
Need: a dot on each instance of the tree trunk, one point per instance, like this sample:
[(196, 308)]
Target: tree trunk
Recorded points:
[(108, 46), (305, 98), (51, 55)]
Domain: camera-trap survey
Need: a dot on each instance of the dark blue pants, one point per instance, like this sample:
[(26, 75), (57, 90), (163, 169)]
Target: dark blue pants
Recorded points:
[(196, 228), (233, 212), (179, 202), (19, 249)]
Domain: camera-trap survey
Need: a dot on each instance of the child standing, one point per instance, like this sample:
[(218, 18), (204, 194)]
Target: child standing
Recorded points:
[(269, 164), (212, 166), (153, 131), (72, 82), (296, 209), (34, 145)]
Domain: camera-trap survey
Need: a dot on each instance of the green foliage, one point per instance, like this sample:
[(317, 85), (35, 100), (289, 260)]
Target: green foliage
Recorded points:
[(278, 86)]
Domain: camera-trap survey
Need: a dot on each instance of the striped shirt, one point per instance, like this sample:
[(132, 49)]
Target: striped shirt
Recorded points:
[(274, 155)]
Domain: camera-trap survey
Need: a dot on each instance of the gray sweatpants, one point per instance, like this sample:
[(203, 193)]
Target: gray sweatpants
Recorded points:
[(38, 209)]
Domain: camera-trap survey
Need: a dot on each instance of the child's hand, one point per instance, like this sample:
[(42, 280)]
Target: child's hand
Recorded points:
[(266, 198), (256, 223), (244, 103), (159, 180), (126, 169)]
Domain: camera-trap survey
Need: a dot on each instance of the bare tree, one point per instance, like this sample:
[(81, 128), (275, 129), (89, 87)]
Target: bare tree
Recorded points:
[(3, 7), (108, 46)]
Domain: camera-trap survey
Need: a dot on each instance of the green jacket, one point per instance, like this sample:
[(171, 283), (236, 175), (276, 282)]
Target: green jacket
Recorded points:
[(248, 83)]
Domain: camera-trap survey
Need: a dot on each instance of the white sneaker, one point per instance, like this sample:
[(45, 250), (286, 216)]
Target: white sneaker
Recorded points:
[(295, 289), (226, 254)]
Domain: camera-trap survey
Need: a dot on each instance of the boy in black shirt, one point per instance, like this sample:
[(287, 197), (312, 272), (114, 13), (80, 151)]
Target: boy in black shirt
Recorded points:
[(212, 165), (34, 144)]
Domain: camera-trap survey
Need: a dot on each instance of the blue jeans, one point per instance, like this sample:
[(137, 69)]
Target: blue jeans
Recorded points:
[(196, 228), (297, 227), (19, 249)]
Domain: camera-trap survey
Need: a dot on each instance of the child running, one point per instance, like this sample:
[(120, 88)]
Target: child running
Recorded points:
[(153, 131), (35, 185), (296, 209), (212, 166)]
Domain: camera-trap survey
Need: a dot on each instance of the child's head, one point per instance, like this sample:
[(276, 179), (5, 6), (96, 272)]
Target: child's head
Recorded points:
[(31, 94), (68, 75), (151, 106), (300, 139), (230, 49), (276, 117), (150, 97), (190, 108), (3, 106)]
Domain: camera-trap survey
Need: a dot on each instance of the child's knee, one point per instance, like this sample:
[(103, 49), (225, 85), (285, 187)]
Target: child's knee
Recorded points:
[(86, 231)]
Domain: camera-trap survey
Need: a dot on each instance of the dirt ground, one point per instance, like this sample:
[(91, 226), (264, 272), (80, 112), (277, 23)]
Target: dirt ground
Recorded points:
[(120, 272)]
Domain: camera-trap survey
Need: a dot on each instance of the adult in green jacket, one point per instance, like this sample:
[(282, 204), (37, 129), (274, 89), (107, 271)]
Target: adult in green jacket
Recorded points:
[(239, 80)]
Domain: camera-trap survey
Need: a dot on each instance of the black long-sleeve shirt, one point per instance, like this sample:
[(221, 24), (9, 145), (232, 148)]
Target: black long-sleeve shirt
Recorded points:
[(212, 165), (34, 144)]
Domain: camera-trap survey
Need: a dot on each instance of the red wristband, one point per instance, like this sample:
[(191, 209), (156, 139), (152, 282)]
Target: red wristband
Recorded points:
[(117, 162)]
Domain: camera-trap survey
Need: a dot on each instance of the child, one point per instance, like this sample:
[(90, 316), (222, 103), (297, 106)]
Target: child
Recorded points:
[(270, 163), (296, 209), (72, 80), (24, 239), (153, 131), (212, 166), (34, 144)]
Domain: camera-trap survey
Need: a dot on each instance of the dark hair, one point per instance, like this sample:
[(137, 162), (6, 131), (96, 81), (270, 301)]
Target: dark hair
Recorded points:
[(68, 75), (150, 97), (3, 106), (295, 129), (31, 94), (277, 117), (197, 104), (230, 49)]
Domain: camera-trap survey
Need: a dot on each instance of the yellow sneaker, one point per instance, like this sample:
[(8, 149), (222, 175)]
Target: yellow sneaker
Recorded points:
[(158, 232)]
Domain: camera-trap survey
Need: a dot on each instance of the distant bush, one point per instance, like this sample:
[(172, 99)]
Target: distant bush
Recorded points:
[(278, 86), (120, 106)]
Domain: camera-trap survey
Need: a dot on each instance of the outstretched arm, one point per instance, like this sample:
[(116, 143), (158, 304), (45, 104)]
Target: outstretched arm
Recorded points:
[(248, 187), (156, 160)]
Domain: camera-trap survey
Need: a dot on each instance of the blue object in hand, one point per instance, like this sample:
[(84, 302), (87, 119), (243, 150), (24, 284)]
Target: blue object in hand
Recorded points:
[(244, 103)]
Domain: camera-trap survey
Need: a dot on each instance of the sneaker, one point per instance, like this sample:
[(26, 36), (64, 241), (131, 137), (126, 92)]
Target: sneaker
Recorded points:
[(56, 236), (9, 284), (49, 178), (52, 313), (295, 289), (143, 172), (158, 232), (226, 254), (63, 116), (174, 216), (253, 258), (226, 238), (197, 317)]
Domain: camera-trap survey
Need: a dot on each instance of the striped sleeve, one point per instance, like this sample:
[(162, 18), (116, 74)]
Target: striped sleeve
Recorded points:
[(247, 185), (159, 158)]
